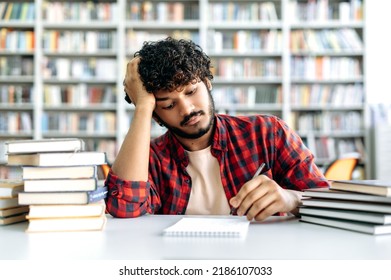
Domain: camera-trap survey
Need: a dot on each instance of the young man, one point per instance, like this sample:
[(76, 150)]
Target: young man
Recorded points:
[(205, 162)]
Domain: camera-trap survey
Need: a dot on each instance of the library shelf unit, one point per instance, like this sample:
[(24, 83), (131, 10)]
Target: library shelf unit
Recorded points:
[(62, 74)]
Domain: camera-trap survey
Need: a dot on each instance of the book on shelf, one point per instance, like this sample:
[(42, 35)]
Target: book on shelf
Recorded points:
[(375, 187), (80, 197), (13, 219), (10, 187), (67, 224), (209, 227), (60, 185), (361, 216), (14, 211), (348, 205), (67, 211), (8, 202), (369, 228), (343, 195), (59, 172), (45, 145), (58, 159)]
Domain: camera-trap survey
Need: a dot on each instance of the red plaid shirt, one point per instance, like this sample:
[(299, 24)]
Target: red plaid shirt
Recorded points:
[(240, 145)]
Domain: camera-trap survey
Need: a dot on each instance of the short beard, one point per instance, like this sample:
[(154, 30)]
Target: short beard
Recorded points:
[(201, 132)]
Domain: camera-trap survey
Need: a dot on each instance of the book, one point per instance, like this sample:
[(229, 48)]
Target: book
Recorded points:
[(67, 211), (8, 202), (349, 225), (67, 224), (59, 185), (13, 211), (375, 187), (45, 145), (209, 227), (361, 216), (58, 159), (59, 172), (344, 195), (85, 197), (348, 205), (10, 187), (13, 219)]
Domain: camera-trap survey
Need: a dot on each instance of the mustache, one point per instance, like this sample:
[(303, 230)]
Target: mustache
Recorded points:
[(188, 117)]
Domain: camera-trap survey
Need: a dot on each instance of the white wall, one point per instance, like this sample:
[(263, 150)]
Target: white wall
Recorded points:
[(378, 83), (378, 51)]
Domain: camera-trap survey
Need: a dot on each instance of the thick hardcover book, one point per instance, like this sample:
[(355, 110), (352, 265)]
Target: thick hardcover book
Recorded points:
[(59, 172), (67, 224), (58, 159), (361, 216), (209, 227), (349, 225), (10, 187), (348, 205), (30, 198), (60, 185), (344, 195), (45, 145), (375, 187), (67, 211)]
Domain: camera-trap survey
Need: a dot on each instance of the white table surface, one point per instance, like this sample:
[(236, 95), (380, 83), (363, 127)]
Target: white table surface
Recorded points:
[(277, 238)]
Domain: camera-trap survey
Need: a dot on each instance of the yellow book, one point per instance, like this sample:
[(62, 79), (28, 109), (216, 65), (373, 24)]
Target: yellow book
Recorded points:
[(67, 224), (7, 15)]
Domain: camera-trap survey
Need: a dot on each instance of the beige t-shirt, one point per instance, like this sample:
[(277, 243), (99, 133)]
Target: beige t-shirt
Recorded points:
[(207, 195)]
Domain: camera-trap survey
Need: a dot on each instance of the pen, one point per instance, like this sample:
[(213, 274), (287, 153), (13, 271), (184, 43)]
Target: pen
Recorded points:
[(257, 173)]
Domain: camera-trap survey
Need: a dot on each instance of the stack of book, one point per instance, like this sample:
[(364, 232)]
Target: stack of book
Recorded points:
[(61, 185), (357, 205), (10, 210)]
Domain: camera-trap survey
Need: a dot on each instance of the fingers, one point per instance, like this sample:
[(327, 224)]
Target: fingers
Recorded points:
[(134, 87), (249, 193), (265, 206), (260, 198)]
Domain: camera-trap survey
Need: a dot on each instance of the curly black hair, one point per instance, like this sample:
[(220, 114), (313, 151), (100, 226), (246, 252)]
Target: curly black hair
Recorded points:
[(169, 64)]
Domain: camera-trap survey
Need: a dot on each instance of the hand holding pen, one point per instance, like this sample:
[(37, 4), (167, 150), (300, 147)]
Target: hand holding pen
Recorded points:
[(262, 197), (257, 173)]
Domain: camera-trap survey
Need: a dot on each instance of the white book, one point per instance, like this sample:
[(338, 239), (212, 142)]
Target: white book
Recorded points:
[(57, 185), (58, 159), (59, 172), (209, 227), (44, 145), (95, 209)]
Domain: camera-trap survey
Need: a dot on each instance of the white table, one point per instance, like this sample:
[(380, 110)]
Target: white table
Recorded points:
[(278, 238)]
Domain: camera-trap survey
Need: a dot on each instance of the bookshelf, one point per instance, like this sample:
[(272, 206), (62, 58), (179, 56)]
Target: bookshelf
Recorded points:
[(300, 60)]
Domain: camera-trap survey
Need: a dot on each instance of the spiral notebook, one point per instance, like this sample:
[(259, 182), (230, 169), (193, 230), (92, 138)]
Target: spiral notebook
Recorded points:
[(209, 227)]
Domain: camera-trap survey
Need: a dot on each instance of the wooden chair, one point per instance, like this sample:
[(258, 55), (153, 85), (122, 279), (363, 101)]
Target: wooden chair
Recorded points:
[(341, 169), (105, 170)]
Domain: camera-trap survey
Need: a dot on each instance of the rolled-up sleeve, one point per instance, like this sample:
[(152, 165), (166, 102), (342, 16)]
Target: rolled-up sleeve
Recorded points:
[(128, 199)]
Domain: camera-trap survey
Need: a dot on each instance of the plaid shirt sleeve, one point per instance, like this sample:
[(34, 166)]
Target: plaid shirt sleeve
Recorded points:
[(294, 163), (129, 199)]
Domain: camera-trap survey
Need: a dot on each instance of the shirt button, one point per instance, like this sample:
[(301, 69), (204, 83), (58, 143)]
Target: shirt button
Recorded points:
[(187, 181), (114, 192)]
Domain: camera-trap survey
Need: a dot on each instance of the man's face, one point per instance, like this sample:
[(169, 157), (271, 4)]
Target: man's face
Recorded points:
[(187, 112)]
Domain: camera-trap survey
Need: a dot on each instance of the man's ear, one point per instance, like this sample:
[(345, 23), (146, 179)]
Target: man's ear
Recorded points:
[(208, 84)]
